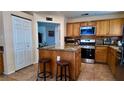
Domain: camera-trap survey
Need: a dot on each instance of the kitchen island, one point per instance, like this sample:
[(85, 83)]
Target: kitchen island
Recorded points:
[(71, 54)]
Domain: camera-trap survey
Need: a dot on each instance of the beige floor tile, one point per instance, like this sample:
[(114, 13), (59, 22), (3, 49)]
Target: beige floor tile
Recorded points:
[(89, 72)]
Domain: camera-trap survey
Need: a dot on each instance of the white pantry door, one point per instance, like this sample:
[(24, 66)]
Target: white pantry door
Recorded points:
[(22, 39)]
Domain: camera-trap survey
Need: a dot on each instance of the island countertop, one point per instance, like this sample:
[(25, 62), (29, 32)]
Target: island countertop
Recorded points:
[(61, 48)]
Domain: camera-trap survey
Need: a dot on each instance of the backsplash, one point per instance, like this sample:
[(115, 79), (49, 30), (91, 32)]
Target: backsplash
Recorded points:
[(101, 40), (107, 40)]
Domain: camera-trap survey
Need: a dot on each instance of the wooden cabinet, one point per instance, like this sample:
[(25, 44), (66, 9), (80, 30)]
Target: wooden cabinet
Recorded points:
[(90, 23), (76, 29), (102, 28), (116, 27), (112, 59), (1, 63), (73, 29), (78, 62), (111, 27), (83, 24), (69, 29), (101, 54)]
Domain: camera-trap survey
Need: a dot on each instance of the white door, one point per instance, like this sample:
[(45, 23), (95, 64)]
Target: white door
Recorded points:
[(22, 39), (28, 42)]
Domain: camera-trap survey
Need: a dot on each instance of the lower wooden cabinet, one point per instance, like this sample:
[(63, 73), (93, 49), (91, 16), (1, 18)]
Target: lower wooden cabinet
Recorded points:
[(112, 53), (78, 62), (101, 54), (107, 55), (1, 63)]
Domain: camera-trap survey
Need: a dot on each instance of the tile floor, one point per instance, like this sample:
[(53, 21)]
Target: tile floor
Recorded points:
[(95, 72), (89, 72)]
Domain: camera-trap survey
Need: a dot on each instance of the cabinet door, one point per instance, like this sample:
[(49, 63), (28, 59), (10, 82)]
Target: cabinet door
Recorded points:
[(102, 28), (116, 27), (76, 29), (101, 54), (91, 23), (69, 29), (83, 24), (109, 56)]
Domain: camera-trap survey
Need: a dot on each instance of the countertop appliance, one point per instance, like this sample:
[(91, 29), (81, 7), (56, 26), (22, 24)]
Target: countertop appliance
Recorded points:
[(107, 41), (87, 30), (72, 40), (87, 50)]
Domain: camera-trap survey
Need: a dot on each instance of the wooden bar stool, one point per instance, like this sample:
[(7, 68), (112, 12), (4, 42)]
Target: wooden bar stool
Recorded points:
[(44, 73), (63, 64)]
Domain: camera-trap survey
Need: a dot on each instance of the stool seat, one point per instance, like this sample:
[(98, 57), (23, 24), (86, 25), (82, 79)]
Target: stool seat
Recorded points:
[(63, 63), (44, 60), (44, 73)]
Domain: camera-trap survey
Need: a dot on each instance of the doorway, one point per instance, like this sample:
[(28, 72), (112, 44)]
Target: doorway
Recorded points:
[(48, 34)]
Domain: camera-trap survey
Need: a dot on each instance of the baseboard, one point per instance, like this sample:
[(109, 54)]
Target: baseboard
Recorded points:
[(8, 73)]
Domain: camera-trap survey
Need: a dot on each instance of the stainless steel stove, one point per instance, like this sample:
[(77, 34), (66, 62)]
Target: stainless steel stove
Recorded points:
[(88, 50)]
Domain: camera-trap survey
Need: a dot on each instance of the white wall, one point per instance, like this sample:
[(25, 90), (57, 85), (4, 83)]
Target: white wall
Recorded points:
[(92, 18), (56, 19), (1, 30), (9, 65)]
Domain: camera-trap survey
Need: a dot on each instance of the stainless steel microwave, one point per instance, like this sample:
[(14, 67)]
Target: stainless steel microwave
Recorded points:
[(87, 30)]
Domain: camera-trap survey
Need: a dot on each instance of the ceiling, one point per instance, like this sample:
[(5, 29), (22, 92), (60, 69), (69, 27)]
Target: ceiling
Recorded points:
[(76, 14)]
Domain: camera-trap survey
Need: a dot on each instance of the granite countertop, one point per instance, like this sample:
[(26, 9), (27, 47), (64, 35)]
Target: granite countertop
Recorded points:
[(112, 46), (115, 48), (102, 45), (64, 48)]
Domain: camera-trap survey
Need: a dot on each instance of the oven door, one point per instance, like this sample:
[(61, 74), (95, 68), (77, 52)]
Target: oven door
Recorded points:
[(87, 53)]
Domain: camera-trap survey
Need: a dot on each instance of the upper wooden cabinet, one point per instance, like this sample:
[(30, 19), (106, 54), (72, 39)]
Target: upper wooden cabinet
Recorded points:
[(102, 28), (73, 29), (69, 31), (90, 23), (110, 27), (116, 27), (76, 29)]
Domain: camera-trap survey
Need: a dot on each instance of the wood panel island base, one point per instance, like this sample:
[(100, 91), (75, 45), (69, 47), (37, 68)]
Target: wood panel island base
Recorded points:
[(71, 54)]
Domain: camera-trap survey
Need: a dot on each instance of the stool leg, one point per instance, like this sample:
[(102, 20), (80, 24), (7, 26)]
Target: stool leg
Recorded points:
[(38, 72), (61, 72), (50, 70), (56, 72), (44, 71), (65, 74), (69, 72)]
